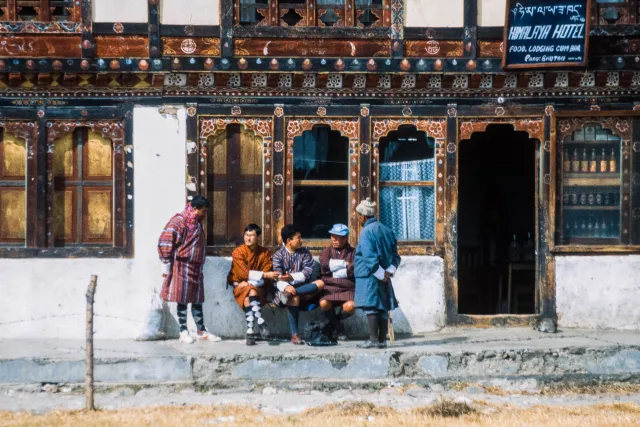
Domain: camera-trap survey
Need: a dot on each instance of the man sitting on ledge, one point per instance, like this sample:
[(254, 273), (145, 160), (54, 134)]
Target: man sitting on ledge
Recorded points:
[(294, 287), (250, 269), (336, 275)]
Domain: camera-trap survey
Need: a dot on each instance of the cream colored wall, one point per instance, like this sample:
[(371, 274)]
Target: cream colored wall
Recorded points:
[(192, 12), (491, 13), (434, 13), (120, 10)]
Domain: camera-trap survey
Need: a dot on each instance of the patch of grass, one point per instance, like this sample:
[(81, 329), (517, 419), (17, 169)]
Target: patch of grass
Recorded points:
[(446, 408), (592, 389), (349, 409)]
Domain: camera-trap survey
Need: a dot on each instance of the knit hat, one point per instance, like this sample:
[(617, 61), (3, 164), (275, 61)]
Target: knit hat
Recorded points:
[(366, 208)]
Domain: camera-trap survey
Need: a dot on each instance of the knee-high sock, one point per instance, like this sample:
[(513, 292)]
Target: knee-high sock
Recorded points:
[(293, 314), (383, 325), (372, 320), (307, 289), (254, 303), (250, 318), (182, 316), (333, 320), (198, 316)]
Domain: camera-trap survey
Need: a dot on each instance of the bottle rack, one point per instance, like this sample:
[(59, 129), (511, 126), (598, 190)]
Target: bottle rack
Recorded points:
[(590, 191)]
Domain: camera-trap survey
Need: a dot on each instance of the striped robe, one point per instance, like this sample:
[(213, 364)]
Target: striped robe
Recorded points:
[(184, 250), (299, 264)]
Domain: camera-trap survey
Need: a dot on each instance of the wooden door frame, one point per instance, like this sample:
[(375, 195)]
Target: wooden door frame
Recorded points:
[(538, 128)]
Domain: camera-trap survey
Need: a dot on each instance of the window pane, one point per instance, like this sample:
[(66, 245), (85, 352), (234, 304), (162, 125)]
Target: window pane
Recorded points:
[(63, 164), (321, 154), (14, 157), (97, 215), (235, 183), (13, 215), (316, 209), (64, 214), (409, 211), (99, 160)]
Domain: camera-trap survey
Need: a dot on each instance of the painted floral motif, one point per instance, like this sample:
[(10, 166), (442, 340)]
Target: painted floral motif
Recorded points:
[(534, 127), (348, 128), (236, 111), (365, 149), (364, 112), (452, 180), (549, 110), (191, 111), (278, 112), (260, 127), (500, 111), (322, 111), (451, 147), (118, 28), (452, 112), (278, 146), (278, 179), (406, 111)]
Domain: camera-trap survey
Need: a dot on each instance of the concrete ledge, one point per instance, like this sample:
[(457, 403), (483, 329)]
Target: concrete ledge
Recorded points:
[(486, 356)]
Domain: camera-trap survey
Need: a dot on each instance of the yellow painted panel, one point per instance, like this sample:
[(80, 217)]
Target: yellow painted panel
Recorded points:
[(99, 156), (63, 156), (63, 215), (13, 214), (250, 153), (15, 156), (218, 144), (99, 214), (220, 214)]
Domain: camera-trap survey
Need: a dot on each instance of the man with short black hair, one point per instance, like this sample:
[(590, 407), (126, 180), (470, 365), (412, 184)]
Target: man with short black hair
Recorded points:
[(251, 269), (295, 266), (181, 248)]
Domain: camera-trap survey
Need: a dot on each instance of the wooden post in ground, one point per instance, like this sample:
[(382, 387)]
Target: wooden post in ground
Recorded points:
[(91, 291), (392, 335)]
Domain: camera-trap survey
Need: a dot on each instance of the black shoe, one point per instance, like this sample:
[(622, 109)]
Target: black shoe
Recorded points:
[(382, 344), (369, 344), (251, 340)]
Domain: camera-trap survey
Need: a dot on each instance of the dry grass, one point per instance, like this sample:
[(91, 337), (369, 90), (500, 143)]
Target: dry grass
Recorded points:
[(614, 388), (356, 414)]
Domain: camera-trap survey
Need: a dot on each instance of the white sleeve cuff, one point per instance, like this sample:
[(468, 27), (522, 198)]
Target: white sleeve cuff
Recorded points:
[(379, 274), (166, 268), (281, 285), (337, 264), (298, 278), (340, 274), (256, 283), (255, 276), (392, 269)]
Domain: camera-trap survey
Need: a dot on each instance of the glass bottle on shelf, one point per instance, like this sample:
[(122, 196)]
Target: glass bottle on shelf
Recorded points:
[(575, 162), (592, 162), (583, 199), (604, 167), (613, 161), (607, 199), (576, 229), (528, 249), (604, 229), (567, 230), (596, 229), (514, 249), (584, 163), (591, 198), (590, 228), (567, 161), (583, 228), (598, 198), (565, 198)]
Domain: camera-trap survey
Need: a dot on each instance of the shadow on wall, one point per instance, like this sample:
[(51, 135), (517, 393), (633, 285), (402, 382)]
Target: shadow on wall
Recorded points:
[(223, 317)]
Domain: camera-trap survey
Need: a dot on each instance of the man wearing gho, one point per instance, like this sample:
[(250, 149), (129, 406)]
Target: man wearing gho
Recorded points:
[(251, 270), (182, 251), (337, 277), (295, 266), (376, 261)]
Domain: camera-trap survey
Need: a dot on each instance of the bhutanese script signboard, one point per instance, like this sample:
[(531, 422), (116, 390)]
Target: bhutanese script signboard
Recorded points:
[(546, 33)]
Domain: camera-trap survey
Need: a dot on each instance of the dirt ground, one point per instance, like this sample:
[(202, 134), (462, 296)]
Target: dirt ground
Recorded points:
[(443, 413)]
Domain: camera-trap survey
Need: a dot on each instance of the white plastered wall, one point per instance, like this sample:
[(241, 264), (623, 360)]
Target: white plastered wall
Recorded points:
[(600, 292), (44, 298), (434, 13), (491, 13), (190, 12), (120, 10)]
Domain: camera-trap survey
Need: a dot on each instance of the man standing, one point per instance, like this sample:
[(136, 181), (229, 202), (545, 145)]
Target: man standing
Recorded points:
[(336, 274), (182, 251), (250, 269), (376, 261), (295, 266)]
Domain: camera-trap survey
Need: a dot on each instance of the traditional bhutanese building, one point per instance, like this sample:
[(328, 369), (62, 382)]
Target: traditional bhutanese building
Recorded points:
[(514, 192)]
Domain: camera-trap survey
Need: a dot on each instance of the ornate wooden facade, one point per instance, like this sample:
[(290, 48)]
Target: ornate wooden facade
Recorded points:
[(279, 78)]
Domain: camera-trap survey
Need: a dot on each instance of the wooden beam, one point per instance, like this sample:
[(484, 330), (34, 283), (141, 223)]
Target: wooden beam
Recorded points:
[(279, 166), (470, 28), (155, 49), (12, 10), (451, 217), (227, 28), (44, 14)]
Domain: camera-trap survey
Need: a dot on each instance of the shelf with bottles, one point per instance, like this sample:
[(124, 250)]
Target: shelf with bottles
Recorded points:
[(594, 197), (597, 227), (600, 162), (522, 251)]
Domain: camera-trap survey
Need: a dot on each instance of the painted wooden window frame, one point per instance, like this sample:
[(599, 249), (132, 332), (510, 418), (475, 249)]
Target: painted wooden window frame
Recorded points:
[(311, 12), (434, 127), (625, 124), (115, 123)]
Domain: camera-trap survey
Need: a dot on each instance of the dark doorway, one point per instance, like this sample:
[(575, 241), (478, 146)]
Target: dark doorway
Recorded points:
[(497, 201)]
